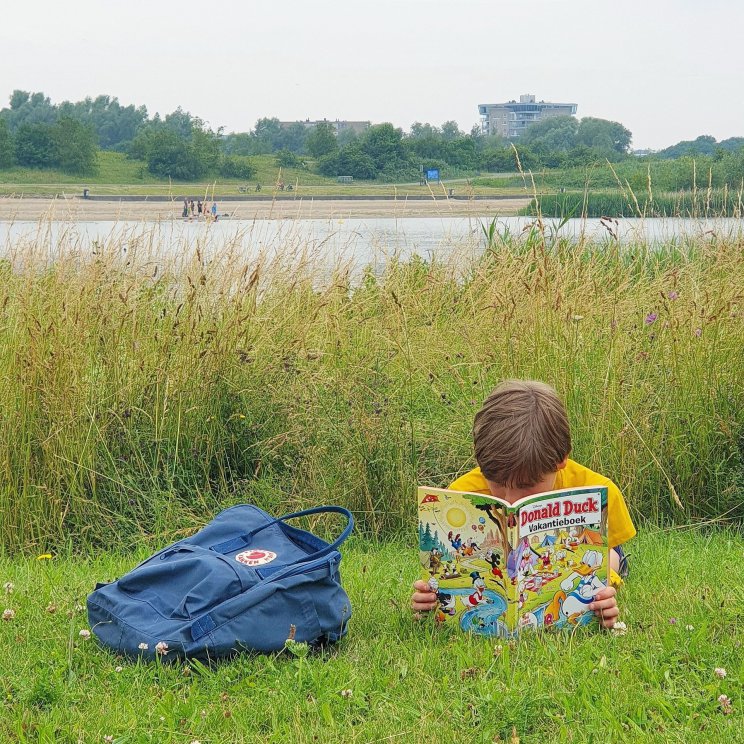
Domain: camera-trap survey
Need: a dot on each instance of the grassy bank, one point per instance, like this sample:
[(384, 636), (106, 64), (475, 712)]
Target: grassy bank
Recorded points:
[(139, 393), (392, 678), (118, 175), (639, 174)]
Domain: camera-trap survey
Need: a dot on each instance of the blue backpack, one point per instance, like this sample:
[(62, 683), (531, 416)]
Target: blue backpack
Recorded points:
[(243, 582)]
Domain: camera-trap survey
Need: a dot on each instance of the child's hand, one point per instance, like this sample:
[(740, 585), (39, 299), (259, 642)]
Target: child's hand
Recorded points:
[(424, 597), (605, 606)]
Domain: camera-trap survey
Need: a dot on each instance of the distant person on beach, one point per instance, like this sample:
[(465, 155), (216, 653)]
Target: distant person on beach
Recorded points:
[(199, 207), (185, 212), (214, 211)]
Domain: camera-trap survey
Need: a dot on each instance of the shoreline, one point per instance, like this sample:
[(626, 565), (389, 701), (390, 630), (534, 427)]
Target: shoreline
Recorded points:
[(76, 209)]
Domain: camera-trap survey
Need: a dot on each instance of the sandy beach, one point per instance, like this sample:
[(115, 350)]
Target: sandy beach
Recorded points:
[(76, 209)]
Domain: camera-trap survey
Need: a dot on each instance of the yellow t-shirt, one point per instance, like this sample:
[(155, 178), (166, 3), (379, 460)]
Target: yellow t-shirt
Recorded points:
[(619, 524)]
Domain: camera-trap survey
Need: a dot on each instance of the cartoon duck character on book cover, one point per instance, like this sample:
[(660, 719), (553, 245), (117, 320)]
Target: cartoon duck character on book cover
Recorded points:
[(499, 568)]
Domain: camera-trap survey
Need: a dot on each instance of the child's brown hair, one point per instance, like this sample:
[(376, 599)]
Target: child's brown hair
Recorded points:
[(521, 433)]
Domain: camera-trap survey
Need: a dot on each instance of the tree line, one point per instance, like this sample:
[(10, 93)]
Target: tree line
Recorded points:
[(36, 133)]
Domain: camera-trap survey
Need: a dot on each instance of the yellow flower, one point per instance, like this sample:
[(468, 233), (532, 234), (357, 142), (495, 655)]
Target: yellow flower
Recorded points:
[(44, 557)]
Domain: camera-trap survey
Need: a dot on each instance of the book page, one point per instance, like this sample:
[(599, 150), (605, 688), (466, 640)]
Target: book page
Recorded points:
[(560, 559), (463, 551)]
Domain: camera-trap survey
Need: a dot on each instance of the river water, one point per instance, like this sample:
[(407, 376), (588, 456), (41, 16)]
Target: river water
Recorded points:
[(363, 240)]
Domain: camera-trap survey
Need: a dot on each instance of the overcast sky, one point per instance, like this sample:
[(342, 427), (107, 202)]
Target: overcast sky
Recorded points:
[(667, 69)]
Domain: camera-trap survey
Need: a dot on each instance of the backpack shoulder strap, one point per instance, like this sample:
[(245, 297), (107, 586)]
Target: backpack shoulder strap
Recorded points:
[(242, 541)]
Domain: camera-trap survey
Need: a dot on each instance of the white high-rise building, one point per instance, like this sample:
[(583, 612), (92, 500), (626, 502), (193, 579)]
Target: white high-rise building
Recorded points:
[(510, 119)]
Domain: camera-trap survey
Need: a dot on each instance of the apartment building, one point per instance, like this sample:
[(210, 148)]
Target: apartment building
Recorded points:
[(510, 119)]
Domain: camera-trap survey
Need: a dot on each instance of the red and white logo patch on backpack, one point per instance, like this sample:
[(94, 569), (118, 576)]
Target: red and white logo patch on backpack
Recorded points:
[(255, 557)]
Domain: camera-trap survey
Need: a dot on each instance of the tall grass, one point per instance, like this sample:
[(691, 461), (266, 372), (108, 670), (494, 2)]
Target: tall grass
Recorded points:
[(139, 393), (703, 204)]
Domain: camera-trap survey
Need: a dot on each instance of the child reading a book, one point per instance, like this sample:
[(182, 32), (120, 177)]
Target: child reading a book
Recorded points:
[(522, 442)]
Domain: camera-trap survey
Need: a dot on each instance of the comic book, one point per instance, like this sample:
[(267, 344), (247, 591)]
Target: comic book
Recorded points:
[(500, 568)]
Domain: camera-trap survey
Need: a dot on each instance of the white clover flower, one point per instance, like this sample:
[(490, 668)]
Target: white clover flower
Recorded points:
[(84, 634), (108, 738), (119, 669), (143, 647), (619, 629), (8, 586), (8, 614), (689, 627), (725, 702), (720, 672), (346, 693), (162, 648)]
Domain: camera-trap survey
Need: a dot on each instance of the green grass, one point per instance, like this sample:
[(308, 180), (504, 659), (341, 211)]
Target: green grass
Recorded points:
[(118, 175), (715, 203), (408, 681), (140, 387), (639, 174)]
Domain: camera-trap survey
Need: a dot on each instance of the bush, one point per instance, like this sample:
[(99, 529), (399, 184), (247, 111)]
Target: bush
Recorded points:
[(288, 159), (237, 166), (35, 146)]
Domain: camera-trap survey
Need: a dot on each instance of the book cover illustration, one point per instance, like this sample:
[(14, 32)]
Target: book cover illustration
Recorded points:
[(499, 568)]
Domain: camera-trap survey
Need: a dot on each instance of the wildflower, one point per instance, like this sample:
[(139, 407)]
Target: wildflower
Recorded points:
[(296, 648), (8, 586), (673, 295), (44, 557), (119, 669), (51, 608), (720, 672), (577, 318), (619, 629), (725, 703), (143, 647), (79, 608), (346, 693), (84, 634), (498, 650), (650, 318), (672, 621), (162, 648), (8, 614), (108, 738), (689, 627), (698, 332)]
